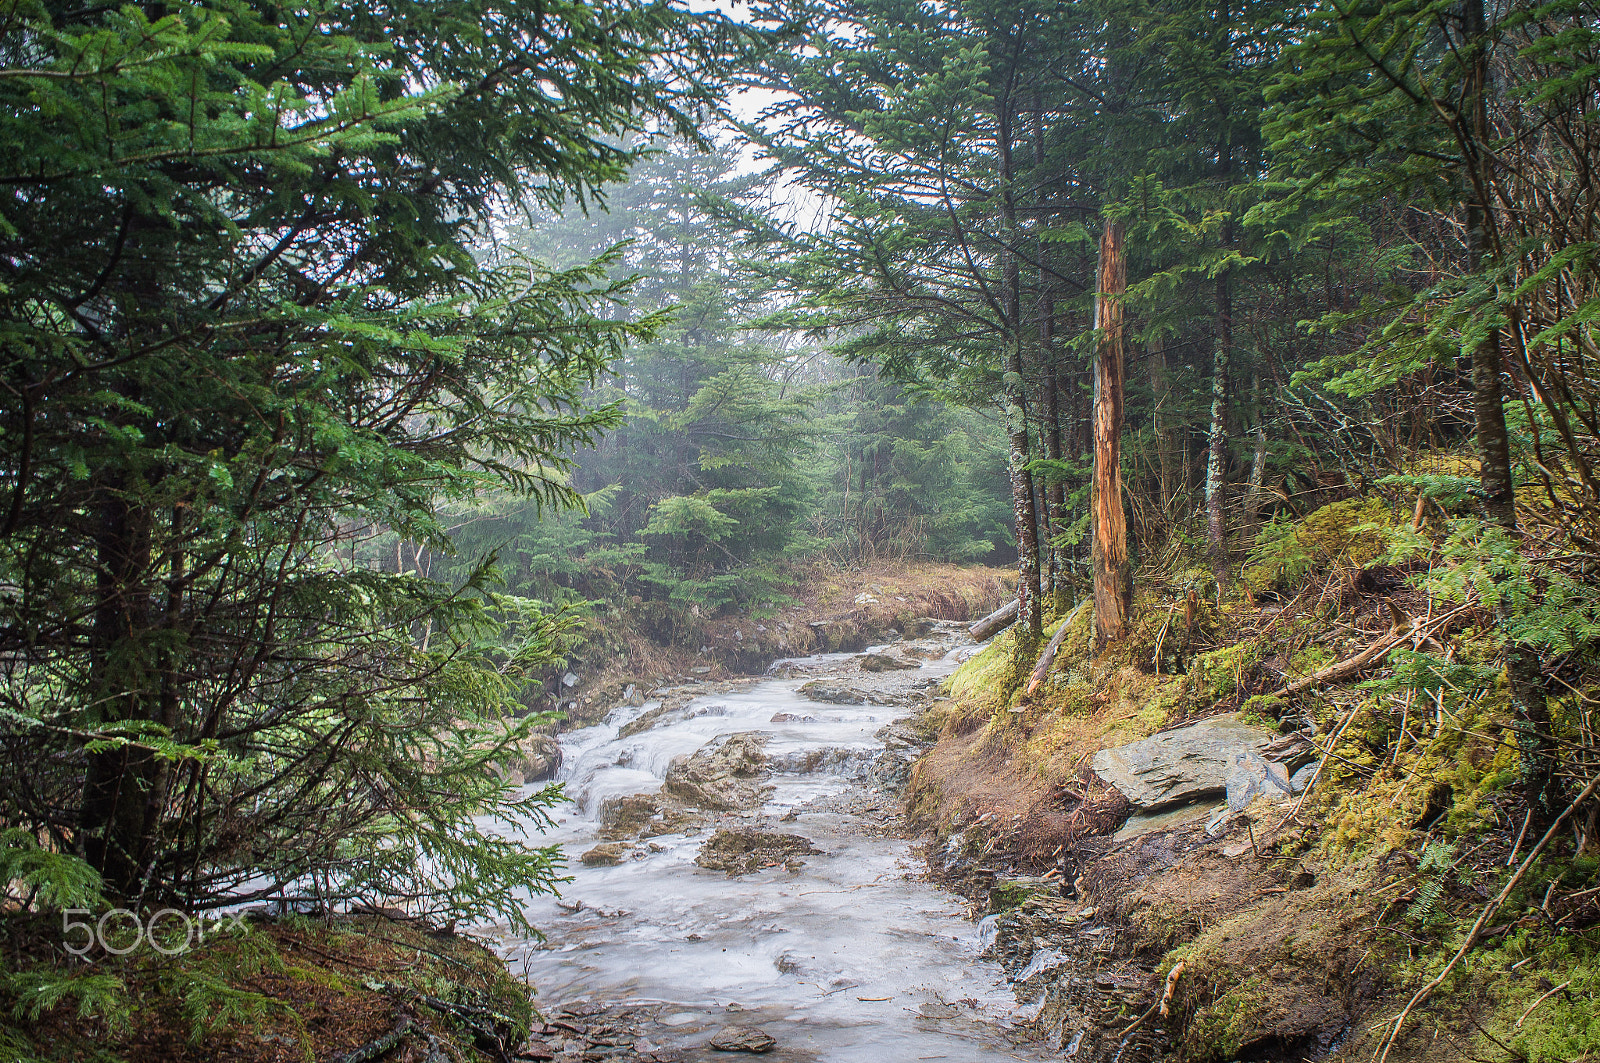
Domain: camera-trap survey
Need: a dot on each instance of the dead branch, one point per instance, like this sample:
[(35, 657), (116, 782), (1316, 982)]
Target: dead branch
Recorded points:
[(1048, 657), (1419, 631), (1483, 917)]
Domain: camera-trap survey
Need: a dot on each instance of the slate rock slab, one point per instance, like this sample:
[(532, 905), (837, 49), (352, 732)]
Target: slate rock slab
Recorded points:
[(1188, 764), (882, 662), (743, 1039)]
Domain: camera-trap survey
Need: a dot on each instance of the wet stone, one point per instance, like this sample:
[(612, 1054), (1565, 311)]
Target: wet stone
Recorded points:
[(739, 852), (724, 777), (742, 1039), (882, 662), (832, 693), (606, 854)]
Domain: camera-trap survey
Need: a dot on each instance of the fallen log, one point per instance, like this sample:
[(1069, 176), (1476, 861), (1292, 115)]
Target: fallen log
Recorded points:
[(1347, 667), (379, 1045), (1048, 657), (995, 622), (1418, 632)]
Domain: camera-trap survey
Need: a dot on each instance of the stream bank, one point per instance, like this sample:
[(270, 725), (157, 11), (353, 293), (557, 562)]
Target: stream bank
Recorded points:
[(1295, 827)]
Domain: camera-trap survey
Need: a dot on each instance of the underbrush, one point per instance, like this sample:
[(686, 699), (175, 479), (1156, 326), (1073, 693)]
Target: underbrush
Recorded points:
[(1384, 641), (825, 608), (259, 990)]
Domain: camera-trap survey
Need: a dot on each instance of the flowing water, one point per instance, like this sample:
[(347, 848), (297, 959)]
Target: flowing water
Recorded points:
[(852, 957)]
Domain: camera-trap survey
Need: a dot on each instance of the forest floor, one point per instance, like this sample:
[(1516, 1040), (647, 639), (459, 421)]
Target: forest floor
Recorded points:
[(346, 988), (1276, 923)]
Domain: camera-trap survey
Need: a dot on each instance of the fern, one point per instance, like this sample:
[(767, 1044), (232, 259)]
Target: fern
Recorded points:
[(1436, 864), (209, 1004)]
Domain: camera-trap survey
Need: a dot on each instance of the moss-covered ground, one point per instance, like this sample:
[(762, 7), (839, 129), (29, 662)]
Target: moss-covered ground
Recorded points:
[(290, 990), (1304, 929)]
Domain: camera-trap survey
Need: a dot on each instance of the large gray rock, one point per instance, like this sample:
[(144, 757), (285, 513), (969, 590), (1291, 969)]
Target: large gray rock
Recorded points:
[(1188, 764), (725, 777), (882, 662), (834, 693)]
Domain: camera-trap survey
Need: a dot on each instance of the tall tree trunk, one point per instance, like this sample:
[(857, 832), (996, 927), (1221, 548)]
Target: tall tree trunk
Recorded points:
[(1160, 389), (1026, 514), (1258, 461), (124, 787), (1055, 490), (1217, 451), (1112, 582), (1524, 672)]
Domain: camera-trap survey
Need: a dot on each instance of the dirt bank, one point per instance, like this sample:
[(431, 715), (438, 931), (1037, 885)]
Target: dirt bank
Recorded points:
[(832, 610)]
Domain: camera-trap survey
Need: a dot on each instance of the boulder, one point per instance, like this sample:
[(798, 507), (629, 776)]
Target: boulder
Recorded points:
[(902, 745), (882, 662), (832, 693), (723, 777), (1193, 763), (606, 854), (742, 1039), (631, 816), (739, 852)]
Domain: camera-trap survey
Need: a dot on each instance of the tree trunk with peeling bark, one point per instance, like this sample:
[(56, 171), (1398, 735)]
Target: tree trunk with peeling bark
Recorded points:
[(1112, 583)]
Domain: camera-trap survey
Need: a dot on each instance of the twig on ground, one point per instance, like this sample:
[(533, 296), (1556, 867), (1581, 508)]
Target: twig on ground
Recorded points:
[(1541, 1000), (1488, 912)]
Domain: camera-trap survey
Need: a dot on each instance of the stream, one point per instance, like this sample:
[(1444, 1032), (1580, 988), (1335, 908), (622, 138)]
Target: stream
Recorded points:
[(850, 957)]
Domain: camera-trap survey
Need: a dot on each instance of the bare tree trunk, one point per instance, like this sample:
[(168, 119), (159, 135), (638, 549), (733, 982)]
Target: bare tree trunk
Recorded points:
[(124, 786), (1258, 461), (1160, 388), (1217, 451), (1024, 515), (1055, 490), (1025, 512), (1112, 584), (1216, 459)]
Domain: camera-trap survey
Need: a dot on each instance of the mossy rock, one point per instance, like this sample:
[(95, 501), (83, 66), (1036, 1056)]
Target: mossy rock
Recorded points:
[(1008, 894), (1347, 534)]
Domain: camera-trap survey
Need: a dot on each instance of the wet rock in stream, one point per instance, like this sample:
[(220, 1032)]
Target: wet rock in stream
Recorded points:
[(606, 854), (723, 778), (637, 816), (742, 1039), (883, 662), (739, 852), (832, 692)]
